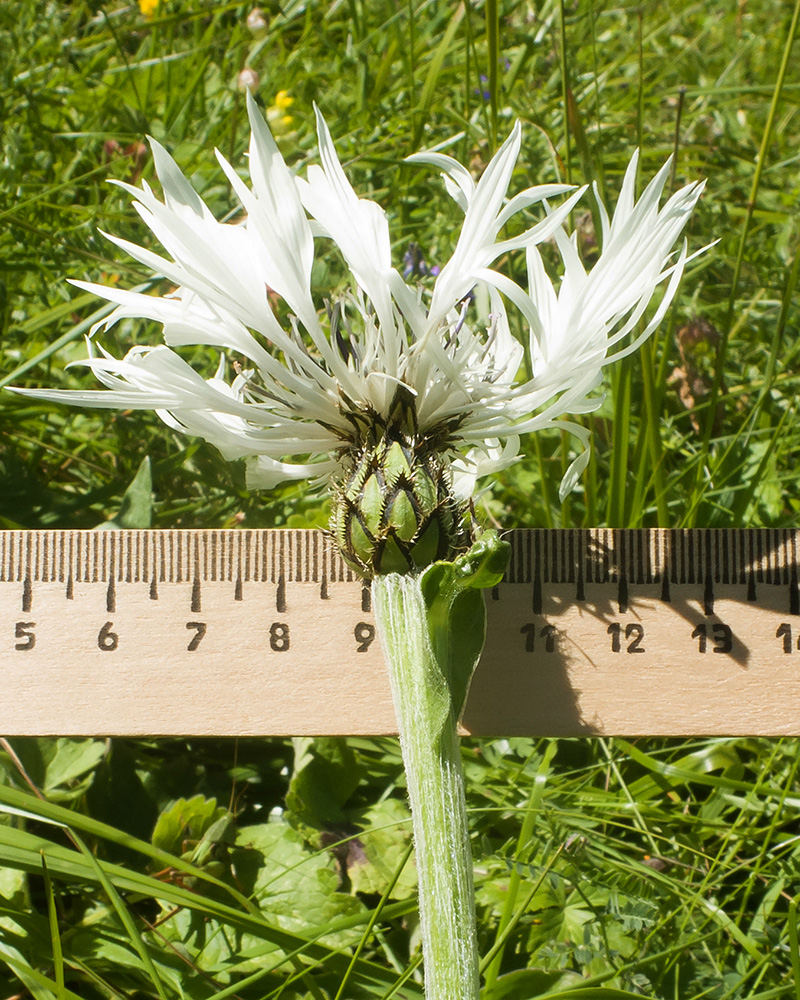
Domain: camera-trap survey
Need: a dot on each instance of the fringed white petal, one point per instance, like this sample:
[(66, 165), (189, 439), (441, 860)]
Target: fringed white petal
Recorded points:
[(299, 390)]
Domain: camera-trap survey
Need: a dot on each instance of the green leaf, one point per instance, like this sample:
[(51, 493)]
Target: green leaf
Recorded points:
[(525, 984), (467, 633), (118, 797), (185, 823), (136, 509), (62, 768), (71, 760), (456, 612), (294, 887), (485, 563), (379, 849), (325, 775)]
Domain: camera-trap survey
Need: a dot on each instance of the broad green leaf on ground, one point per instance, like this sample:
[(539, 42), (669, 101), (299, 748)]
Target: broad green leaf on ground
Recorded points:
[(528, 984), (181, 828), (325, 776), (292, 885), (62, 768), (384, 835), (136, 509)]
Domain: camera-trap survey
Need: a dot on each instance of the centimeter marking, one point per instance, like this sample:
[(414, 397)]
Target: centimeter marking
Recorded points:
[(94, 636), (173, 556), (620, 557)]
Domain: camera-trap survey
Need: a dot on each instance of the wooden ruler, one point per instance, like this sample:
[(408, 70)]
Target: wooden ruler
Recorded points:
[(626, 632)]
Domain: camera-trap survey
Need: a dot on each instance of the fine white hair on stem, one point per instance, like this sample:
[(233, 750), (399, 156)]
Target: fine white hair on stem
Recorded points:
[(310, 375)]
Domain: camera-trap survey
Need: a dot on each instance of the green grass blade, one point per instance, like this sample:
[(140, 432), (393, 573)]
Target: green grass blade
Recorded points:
[(761, 160), (565, 89), (55, 936), (434, 72), (493, 960), (45, 811), (51, 316), (621, 397), (47, 988), (22, 850), (492, 63), (794, 947), (374, 918), (134, 936)]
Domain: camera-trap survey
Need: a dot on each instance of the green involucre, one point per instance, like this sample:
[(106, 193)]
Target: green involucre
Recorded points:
[(394, 511)]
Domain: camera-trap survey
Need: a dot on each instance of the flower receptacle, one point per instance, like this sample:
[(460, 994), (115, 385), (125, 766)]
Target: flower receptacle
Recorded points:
[(394, 511)]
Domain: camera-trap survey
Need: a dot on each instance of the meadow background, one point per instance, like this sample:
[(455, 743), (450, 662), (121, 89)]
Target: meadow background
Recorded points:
[(270, 868)]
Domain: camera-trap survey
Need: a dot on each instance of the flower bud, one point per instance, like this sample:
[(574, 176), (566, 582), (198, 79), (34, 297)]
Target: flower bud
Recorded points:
[(257, 21), (248, 79), (394, 512)]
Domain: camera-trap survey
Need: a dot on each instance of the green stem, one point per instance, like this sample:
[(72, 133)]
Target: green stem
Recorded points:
[(493, 56), (432, 756), (565, 90)]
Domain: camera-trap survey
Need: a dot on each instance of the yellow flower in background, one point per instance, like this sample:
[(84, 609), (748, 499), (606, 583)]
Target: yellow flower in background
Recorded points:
[(279, 121), (148, 7)]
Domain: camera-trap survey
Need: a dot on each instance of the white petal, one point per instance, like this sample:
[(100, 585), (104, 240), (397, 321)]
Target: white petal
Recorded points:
[(458, 180)]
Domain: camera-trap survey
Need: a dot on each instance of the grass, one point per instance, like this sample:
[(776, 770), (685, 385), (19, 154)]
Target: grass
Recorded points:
[(605, 868)]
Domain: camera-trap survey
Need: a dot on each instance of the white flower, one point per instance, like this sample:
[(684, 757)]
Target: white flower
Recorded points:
[(309, 392)]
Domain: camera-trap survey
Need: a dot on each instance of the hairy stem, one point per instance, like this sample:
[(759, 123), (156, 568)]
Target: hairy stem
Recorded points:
[(429, 741)]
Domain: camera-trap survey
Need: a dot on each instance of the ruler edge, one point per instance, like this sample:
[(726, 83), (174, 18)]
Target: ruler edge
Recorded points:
[(309, 555)]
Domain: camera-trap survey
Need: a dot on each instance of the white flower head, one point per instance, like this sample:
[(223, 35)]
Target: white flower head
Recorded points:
[(306, 394)]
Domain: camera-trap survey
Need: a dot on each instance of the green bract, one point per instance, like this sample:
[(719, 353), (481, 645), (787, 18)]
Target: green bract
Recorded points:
[(395, 511)]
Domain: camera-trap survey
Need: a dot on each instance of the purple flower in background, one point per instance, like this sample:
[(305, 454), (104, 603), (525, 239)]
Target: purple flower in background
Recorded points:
[(415, 265), (483, 91)]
